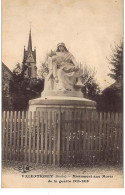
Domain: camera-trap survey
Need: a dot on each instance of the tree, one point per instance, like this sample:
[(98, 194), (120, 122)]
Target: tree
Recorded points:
[(112, 96), (6, 97), (90, 87), (44, 66), (23, 88), (116, 61)]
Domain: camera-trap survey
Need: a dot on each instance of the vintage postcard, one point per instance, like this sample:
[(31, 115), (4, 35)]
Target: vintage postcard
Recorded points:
[(62, 94)]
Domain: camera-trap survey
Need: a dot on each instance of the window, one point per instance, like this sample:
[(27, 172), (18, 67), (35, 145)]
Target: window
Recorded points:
[(29, 71)]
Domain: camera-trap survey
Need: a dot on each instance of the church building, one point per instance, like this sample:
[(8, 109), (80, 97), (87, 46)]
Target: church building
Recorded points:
[(29, 60)]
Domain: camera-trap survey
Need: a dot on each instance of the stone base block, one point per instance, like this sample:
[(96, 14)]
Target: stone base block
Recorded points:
[(60, 103)]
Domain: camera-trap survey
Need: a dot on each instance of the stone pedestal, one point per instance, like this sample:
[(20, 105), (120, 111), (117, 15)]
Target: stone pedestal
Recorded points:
[(60, 103), (60, 122)]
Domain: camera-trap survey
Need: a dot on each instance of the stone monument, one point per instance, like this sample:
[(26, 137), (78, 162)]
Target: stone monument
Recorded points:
[(62, 88)]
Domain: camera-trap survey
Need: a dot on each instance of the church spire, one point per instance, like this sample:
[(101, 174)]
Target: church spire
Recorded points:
[(29, 59), (30, 42)]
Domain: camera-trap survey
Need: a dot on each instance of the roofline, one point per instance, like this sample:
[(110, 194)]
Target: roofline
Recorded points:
[(7, 68), (109, 87)]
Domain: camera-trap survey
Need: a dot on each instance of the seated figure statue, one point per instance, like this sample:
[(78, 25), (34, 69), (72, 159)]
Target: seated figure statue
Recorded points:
[(64, 74)]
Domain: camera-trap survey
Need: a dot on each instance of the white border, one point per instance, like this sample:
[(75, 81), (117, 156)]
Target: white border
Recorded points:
[(58, 191)]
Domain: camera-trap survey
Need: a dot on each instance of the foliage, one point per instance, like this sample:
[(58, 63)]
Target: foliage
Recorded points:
[(111, 100), (6, 98), (44, 70), (116, 61), (22, 88), (112, 97), (90, 87)]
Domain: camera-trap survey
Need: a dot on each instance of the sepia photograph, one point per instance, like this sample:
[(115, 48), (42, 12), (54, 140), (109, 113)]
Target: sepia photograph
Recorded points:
[(62, 94)]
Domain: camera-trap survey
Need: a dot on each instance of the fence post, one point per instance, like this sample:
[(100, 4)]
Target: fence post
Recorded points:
[(7, 131), (18, 136), (121, 137), (46, 134), (54, 138), (3, 135), (34, 135), (58, 141), (72, 129), (67, 135), (38, 125), (50, 137), (116, 138), (42, 135), (11, 127), (26, 136), (15, 126), (108, 148), (22, 132), (30, 131), (62, 147), (100, 135)]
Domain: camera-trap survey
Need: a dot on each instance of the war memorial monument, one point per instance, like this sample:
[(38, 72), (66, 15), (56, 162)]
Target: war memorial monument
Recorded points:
[(62, 88)]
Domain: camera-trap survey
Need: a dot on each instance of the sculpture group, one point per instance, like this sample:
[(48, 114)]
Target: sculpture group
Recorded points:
[(62, 87), (64, 74)]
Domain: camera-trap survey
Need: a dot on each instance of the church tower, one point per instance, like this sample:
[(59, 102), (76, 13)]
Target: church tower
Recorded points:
[(29, 60)]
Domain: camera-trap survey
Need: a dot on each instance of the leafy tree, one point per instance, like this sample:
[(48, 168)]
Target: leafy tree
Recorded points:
[(112, 97), (90, 87), (6, 97), (23, 88), (116, 61), (44, 66)]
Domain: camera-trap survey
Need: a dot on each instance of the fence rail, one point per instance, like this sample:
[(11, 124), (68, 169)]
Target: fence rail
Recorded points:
[(51, 137)]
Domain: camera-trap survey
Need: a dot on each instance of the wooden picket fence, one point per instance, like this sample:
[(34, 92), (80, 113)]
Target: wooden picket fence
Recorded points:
[(57, 138)]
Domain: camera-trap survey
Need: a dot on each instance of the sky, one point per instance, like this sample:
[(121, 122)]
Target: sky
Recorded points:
[(87, 27)]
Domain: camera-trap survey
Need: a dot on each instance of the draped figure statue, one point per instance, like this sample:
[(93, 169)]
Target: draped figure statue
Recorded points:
[(64, 74)]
